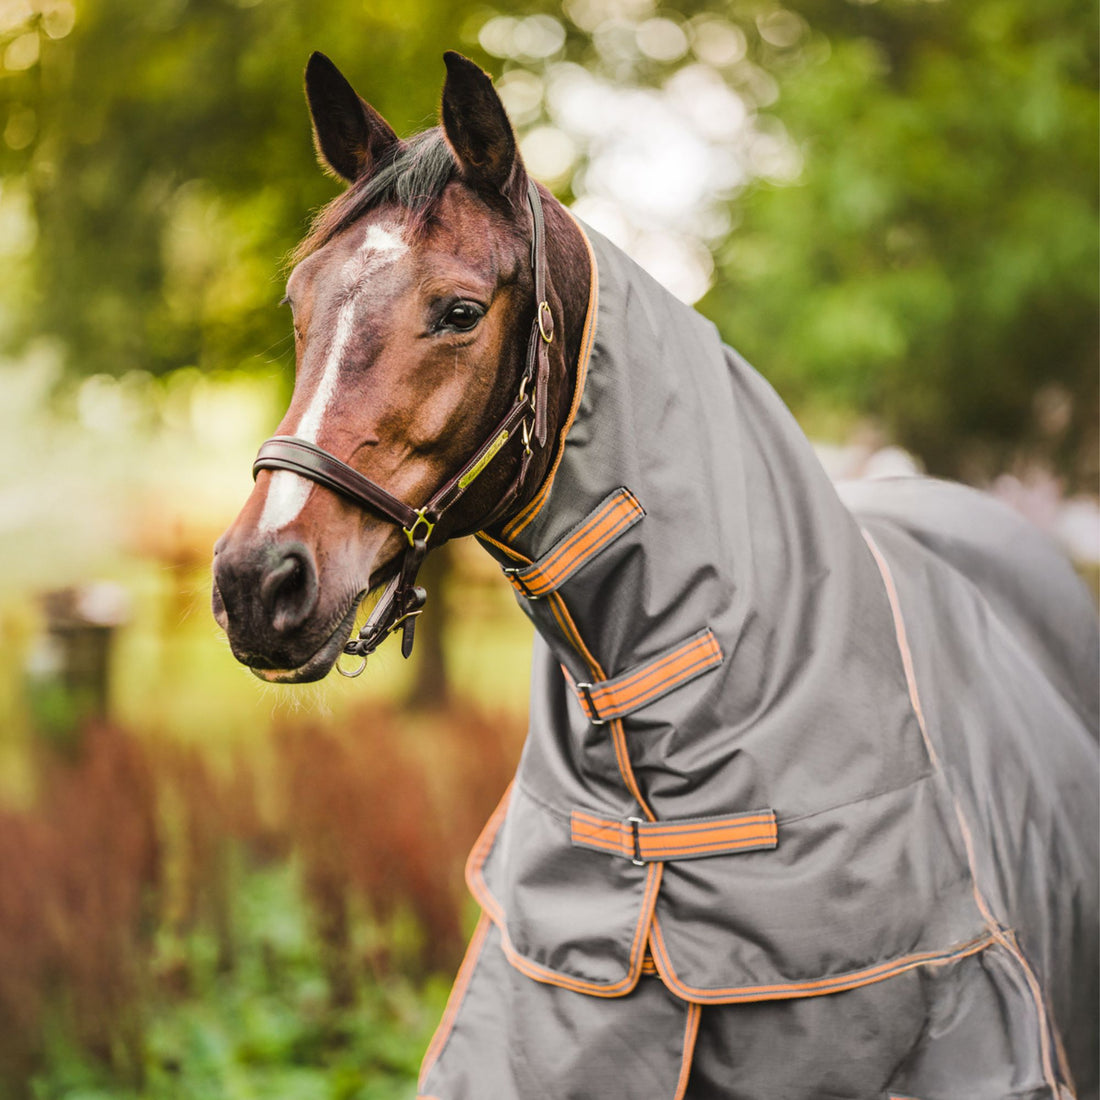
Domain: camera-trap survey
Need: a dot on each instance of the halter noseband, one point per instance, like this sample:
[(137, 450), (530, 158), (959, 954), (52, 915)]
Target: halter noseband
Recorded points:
[(403, 599)]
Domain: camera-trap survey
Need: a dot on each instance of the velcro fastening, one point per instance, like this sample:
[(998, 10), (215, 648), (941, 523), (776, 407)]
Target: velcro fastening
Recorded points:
[(638, 686), (691, 838), (615, 515)]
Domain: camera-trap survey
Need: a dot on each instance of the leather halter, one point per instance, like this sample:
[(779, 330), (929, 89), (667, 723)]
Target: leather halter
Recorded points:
[(403, 599)]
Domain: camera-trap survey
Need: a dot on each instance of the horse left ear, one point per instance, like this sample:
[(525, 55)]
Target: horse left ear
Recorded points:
[(477, 129), (350, 135)]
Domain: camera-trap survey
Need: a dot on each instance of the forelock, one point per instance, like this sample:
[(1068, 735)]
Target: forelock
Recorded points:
[(414, 178)]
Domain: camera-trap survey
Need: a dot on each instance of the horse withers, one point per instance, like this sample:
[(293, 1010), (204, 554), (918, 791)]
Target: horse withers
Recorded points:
[(809, 804)]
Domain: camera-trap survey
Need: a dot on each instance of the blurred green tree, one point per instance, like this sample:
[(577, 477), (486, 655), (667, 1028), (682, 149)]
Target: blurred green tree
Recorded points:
[(932, 263), (937, 264), (165, 151)]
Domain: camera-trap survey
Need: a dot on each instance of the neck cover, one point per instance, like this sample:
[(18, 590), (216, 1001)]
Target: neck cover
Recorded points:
[(729, 779)]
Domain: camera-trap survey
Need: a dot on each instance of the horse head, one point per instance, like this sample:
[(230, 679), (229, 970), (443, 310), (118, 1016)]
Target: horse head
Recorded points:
[(413, 301)]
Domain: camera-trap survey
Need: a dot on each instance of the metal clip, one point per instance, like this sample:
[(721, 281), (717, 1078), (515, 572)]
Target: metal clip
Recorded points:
[(513, 574), (636, 859), (590, 703)]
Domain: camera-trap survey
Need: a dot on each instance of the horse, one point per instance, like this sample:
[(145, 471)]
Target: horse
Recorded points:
[(808, 803)]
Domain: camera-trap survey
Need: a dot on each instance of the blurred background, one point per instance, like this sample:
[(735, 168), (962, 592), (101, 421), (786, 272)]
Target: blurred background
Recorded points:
[(214, 888)]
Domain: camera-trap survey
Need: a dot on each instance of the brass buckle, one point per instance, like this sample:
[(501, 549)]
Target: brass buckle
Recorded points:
[(404, 618), (421, 519), (546, 327)]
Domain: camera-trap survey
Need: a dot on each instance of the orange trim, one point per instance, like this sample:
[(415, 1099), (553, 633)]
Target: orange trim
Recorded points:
[(616, 515), (618, 734), (588, 336), (1005, 937), (454, 1001), (634, 689), (667, 840), (572, 636), (903, 645), (477, 885), (691, 1032), (816, 988), (515, 555)]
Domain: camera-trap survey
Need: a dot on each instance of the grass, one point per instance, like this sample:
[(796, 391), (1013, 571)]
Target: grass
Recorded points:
[(265, 1029)]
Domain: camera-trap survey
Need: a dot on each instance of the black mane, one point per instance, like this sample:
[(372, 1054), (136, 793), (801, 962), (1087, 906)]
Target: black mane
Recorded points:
[(414, 178)]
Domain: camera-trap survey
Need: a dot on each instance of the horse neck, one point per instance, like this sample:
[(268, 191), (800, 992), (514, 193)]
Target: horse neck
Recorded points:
[(741, 516)]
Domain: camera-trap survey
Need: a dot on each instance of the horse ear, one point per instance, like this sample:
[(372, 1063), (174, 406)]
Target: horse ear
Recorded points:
[(350, 135), (477, 128)]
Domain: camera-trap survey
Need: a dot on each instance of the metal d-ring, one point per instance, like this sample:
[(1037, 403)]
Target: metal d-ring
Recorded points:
[(354, 672), (546, 327)]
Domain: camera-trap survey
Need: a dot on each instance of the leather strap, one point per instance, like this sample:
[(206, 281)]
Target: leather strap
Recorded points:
[(542, 334), (689, 838), (299, 456)]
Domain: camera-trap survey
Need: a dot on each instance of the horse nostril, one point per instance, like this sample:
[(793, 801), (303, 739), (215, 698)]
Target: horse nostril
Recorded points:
[(288, 589)]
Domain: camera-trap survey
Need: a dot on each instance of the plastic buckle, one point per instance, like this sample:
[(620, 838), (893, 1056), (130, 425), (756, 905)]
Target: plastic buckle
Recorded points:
[(636, 859), (590, 703)]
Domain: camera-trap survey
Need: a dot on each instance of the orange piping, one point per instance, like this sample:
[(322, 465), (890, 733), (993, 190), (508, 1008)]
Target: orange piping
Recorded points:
[(482, 894), (454, 1001), (1004, 937), (816, 988), (691, 1032)]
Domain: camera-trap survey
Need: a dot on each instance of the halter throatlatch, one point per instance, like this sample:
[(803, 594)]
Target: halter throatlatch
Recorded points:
[(403, 599)]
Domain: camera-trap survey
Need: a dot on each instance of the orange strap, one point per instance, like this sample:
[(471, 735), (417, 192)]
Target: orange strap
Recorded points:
[(636, 687), (615, 515), (691, 838)]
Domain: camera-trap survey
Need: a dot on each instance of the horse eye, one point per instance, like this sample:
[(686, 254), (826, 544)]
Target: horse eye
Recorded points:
[(462, 316)]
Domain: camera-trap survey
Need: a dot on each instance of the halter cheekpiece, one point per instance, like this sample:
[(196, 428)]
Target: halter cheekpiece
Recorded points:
[(403, 599)]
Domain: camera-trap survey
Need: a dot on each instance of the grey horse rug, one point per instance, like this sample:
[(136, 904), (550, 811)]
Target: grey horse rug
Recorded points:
[(808, 807)]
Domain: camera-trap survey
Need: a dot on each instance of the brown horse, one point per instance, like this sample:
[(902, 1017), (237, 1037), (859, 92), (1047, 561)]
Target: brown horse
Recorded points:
[(808, 807), (412, 300)]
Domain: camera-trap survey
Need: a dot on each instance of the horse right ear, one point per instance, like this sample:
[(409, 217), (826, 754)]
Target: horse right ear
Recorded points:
[(350, 135)]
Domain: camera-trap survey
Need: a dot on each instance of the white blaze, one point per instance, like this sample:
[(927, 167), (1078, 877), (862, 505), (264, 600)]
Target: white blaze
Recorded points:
[(287, 492)]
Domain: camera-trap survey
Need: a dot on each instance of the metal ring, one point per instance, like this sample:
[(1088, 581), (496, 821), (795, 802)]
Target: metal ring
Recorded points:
[(548, 336), (355, 672)]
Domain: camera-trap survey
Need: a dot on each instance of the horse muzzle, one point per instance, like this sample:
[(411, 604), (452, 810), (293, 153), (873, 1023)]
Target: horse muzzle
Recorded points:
[(267, 598)]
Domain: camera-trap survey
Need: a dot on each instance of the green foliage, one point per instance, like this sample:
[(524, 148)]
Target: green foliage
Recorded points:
[(936, 264), (267, 1027), (171, 167), (933, 266)]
